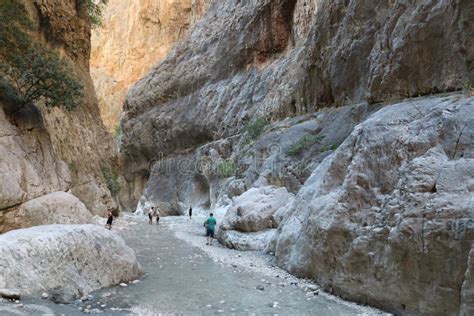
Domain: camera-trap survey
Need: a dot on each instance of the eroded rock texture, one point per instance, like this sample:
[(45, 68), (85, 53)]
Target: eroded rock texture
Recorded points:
[(66, 261), (53, 208), (295, 94), (44, 150), (135, 35), (388, 219)]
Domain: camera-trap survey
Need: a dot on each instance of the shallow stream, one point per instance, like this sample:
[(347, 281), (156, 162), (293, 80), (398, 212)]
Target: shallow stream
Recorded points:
[(182, 279)]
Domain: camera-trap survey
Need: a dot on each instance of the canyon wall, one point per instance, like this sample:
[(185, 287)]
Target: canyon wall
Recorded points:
[(134, 36), (45, 150), (302, 99)]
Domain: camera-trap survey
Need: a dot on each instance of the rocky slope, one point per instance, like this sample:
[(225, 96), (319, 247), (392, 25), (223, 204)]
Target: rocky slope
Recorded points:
[(294, 95), (44, 150), (135, 35)]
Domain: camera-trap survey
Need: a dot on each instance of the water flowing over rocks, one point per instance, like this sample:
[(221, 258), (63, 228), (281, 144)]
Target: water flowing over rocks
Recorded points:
[(66, 261), (306, 96)]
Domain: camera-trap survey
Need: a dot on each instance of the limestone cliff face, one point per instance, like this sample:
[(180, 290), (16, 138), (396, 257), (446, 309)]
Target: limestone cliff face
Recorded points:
[(136, 34), (303, 99), (44, 150)]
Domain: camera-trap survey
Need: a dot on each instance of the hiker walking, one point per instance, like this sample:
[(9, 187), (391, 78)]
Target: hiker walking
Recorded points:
[(190, 212), (157, 212), (151, 212), (210, 225), (110, 219)]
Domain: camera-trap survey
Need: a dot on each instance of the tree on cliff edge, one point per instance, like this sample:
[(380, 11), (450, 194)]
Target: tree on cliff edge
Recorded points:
[(31, 72)]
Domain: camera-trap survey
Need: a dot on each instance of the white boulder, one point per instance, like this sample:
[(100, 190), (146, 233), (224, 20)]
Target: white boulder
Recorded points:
[(67, 261), (250, 222)]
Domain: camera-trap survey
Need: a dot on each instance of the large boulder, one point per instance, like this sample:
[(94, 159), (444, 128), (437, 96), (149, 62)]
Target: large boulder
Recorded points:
[(66, 261), (53, 208), (388, 219), (250, 222)]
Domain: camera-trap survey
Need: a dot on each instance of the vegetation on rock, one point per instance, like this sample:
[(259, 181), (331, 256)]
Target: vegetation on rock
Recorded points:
[(255, 128), (31, 72), (94, 10), (303, 143), (226, 168), (111, 179)]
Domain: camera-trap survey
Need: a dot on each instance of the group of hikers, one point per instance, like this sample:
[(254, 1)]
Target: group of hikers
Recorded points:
[(210, 223)]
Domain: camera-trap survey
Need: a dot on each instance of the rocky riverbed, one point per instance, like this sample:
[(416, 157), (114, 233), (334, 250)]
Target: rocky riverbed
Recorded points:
[(184, 276)]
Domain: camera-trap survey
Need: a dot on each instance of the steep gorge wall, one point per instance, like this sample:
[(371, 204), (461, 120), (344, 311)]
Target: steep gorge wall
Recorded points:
[(292, 98), (135, 35), (45, 150)]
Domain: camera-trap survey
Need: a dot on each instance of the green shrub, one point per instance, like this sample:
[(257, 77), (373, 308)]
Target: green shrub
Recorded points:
[(31, 72), (303, 143), (73, 167), (255, 128), (118, 133), (111, 180), (95, 10), (226, 168), (469, 88), (330, 147)]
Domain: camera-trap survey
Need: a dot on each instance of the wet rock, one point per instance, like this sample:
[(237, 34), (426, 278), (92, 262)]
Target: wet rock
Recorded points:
[(44, 295), (260, 287), (11, 294)]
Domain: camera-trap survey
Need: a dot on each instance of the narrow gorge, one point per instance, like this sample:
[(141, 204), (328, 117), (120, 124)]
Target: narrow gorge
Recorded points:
[(331, 139)]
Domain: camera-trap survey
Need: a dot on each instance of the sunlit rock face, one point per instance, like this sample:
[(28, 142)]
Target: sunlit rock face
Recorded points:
[(135, 36)]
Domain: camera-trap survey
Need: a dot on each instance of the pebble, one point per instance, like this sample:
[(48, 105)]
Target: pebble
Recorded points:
[(44, 295), (260, 287), (209, 305), (20, 306), (103, 305), (311, 287), (87, 311), (135, 281), (80, 308), (17, 301), (220, 311), (123, 284), (222, 302), (96, 311), (275, 305)]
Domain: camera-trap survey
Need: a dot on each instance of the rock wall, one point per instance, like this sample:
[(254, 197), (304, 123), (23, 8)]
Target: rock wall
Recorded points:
[(135, 35), (388, 218), (280, 58), (296, 94), (44, 150)]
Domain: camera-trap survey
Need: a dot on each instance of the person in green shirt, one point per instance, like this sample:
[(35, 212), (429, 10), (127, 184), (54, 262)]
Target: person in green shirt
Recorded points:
[(210, 225)]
